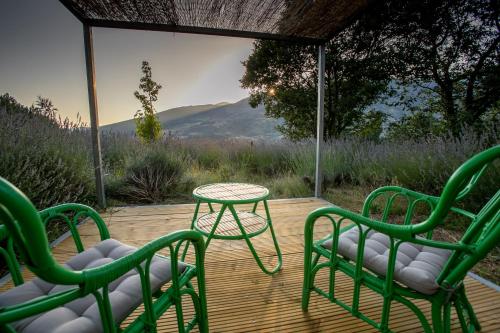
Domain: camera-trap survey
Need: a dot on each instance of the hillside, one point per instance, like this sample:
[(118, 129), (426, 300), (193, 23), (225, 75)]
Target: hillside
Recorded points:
[(164, 116), (222, 120)]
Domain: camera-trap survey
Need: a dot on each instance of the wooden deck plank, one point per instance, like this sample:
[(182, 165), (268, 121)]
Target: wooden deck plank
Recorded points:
[(243, 299)]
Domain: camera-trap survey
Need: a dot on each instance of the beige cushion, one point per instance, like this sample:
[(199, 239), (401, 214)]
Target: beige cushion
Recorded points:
[(82, 315), (417, 266)]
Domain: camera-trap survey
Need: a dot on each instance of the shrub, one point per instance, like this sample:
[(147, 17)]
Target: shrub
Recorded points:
[(47, 179), (46, 157), (150, 179), (290, 186)]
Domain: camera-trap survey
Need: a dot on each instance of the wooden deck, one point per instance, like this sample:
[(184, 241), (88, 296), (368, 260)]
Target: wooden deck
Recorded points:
[(241, 298)]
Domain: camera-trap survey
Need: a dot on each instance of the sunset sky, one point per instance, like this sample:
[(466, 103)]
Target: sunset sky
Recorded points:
[(42, 54)]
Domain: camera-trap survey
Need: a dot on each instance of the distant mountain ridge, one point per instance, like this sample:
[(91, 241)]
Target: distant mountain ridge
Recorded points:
[(163, 116), (221, 120)]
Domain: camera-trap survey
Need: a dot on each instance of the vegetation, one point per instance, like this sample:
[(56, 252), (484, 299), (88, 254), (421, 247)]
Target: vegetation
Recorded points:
[(439, 61), (148, 126), (150, 178), (283, 77), (167, 170), (45, 156), (50, 160), (447, 50), (453, 44)]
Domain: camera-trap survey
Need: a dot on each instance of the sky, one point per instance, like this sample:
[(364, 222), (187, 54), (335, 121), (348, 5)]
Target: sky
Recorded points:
[(42, 53)]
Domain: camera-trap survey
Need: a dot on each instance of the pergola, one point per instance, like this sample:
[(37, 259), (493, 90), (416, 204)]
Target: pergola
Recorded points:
[(312, 22)]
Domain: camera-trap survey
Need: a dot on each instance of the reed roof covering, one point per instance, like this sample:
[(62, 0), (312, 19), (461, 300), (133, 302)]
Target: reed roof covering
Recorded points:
[(311, 21)]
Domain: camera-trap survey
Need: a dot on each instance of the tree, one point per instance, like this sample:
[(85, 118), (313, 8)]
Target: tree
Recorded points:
[(44, 107), (418, 125), (449, 47), (369, 127), (283, 77), (148, 127), (452, 43)]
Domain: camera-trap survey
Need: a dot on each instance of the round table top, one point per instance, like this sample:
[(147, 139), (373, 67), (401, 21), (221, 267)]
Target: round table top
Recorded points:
[(231, 193)]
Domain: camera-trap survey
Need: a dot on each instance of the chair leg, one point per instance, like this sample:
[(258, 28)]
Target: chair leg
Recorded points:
[(464, 308), (461, 317), (386, 310), (200, 311), (308, 265), (202, 314), (447, 317), (437, 317), (179, 315)]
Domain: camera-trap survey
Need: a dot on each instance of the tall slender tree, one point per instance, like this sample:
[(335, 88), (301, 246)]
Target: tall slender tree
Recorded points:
[(148, 127)]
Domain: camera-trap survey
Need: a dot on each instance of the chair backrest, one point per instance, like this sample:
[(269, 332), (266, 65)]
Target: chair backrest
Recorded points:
[(483, 233), (22, 226)]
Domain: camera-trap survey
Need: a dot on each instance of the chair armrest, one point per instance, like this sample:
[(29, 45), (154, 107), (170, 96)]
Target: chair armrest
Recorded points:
[(72, 213)]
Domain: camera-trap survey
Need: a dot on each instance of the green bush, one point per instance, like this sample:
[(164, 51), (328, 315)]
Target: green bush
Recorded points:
[(151, 178), (47, 158), (290, 186), (47, 179)]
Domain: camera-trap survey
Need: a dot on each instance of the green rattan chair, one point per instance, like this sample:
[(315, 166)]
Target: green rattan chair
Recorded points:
[(401, 261), (98, 287)]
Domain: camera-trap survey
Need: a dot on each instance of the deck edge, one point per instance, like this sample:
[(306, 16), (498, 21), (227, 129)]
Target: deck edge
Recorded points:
[(486, 282), (192, 203)]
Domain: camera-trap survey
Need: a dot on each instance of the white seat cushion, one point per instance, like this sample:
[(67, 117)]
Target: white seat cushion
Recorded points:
[(82, 315), (417, 266)]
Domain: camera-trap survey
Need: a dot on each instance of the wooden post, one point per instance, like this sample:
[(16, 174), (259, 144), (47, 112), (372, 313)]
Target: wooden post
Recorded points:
[(94, 117), (320, 118)]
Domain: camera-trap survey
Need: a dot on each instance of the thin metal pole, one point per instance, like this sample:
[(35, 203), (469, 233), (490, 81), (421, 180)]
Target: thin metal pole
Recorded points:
[(320, 117), (94, 116)]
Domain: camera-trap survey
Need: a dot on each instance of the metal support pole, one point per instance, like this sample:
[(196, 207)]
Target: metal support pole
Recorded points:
[(320, 118), (94, 117)]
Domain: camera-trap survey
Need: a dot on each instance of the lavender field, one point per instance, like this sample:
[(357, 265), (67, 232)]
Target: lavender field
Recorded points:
[(50, 160)]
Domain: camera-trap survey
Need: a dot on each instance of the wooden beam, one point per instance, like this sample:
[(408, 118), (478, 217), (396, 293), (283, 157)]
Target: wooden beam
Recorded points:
[(94, 116), (320, 118), (99, 23)]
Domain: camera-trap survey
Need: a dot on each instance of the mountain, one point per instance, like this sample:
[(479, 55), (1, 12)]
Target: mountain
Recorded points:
[(164, 117), (222, 120)]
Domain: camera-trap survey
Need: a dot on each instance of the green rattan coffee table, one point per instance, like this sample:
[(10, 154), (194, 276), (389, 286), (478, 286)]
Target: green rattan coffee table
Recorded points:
[(231, 224)]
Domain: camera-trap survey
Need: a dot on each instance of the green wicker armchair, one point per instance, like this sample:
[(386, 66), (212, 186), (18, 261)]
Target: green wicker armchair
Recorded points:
[(98, 287), (401, 261)]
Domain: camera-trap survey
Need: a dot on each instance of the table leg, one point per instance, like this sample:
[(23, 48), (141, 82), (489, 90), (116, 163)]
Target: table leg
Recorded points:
[(255, 207), (275, 240), (250, 245), (214, 228), (195, 216)]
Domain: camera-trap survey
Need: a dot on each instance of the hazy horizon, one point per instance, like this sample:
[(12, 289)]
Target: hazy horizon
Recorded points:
[(43, 55)]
